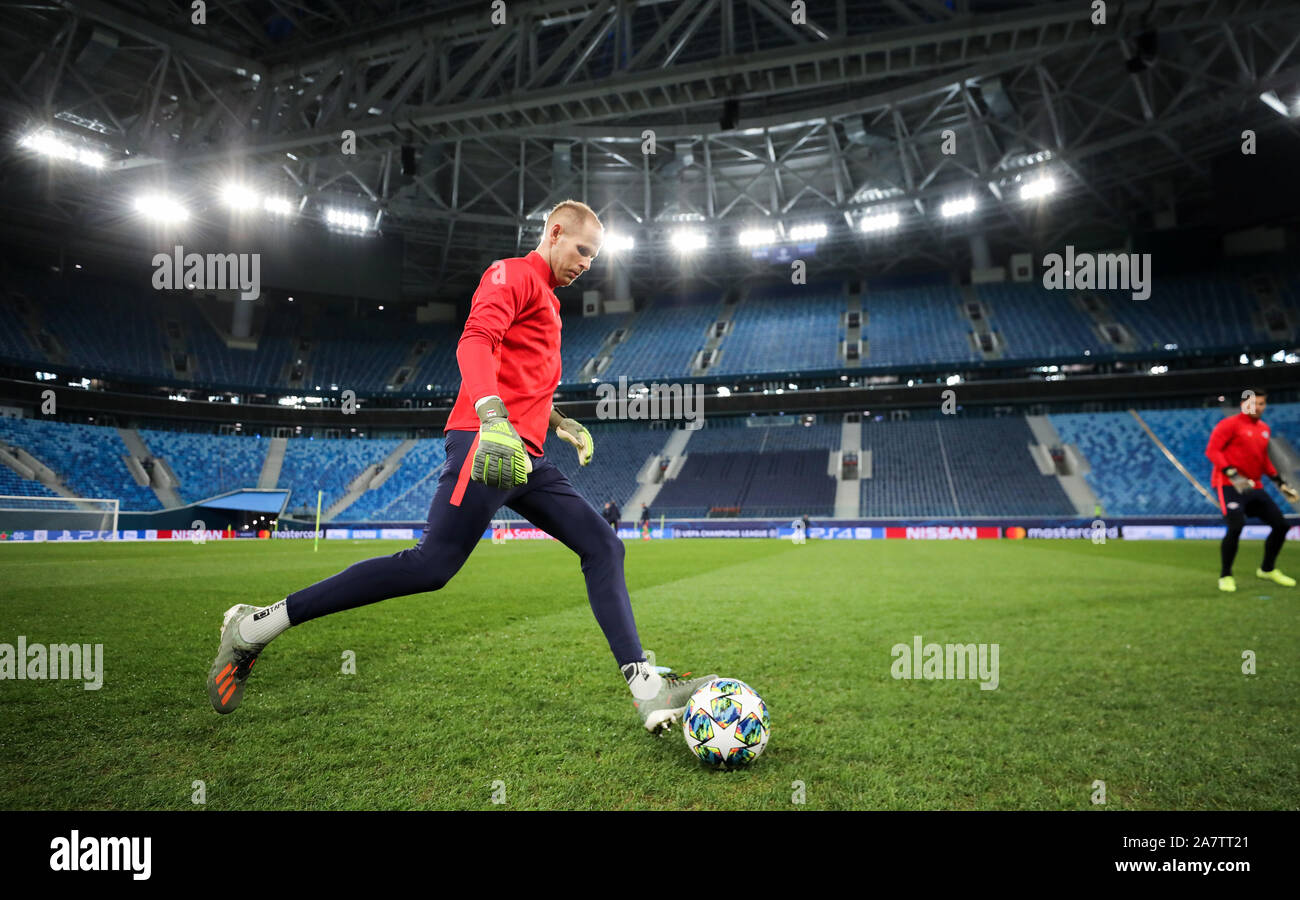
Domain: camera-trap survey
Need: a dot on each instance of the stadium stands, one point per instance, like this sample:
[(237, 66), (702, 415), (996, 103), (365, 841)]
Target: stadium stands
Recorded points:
[(439, 367), (104, 328), (208, 464), (1035, 323), (762, 434), (993, 473), (215, 364), (946, 467), (405, 495), (360, 354), (662, 340), (908, 476), (14, 343), (88, 458), (1130, 475), (781, 470), (621, 449), (328, 465), (13, 484), (781, 483), (1205, 311), (790, 483), (916, 326), (974, 467), (582, 337), (801, 327), (706, 480)]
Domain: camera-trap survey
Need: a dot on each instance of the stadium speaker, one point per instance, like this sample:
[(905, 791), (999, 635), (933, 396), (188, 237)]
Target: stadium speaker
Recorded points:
[(408, 161), (730, 115)]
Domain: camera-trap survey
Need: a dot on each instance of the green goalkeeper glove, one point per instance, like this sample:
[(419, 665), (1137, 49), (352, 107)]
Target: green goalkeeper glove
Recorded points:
[(1288, 492), (501, 461), (572, 432)]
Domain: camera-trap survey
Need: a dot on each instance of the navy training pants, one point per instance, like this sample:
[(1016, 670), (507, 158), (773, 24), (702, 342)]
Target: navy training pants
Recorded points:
[(1236, 506), (460, 512)]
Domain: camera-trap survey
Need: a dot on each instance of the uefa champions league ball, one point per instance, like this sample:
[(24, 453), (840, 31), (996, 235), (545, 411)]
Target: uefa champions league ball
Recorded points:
[(726, 723)]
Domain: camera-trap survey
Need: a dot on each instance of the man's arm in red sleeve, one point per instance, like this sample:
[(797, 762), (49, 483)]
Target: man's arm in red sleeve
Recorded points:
[(492, 311), (1219, 439)]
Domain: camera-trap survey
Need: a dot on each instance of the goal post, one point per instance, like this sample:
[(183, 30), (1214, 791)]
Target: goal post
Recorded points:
[(55, 515)]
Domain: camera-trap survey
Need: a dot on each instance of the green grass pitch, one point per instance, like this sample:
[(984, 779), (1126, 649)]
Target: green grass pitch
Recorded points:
[(1119, 662)]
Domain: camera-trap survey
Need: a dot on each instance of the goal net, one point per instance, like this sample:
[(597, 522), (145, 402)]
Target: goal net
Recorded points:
[(48, 518)]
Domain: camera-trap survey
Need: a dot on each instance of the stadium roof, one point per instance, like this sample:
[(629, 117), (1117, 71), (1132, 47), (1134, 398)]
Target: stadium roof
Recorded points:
[(756, 119)]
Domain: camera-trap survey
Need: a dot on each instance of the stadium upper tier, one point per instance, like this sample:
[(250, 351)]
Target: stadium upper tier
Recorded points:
[(801, 329), (945, 467), (95, 327)]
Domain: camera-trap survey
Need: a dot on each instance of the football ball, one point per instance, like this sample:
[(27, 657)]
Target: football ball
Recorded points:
[(726, 723)]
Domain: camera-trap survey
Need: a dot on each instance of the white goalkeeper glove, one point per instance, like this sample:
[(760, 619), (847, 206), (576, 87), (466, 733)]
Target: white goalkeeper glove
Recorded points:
[(1290, 493), (1239, 481)]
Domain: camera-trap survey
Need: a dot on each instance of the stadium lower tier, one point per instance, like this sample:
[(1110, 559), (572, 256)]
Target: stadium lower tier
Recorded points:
[(1058, 465)]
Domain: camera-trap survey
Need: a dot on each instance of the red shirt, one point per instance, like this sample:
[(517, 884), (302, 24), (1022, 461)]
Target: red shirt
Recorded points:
[(511, 348), (1242, 442)]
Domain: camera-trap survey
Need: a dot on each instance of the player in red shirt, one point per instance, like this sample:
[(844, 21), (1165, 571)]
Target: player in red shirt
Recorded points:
[(1239, 450), (509, 356)]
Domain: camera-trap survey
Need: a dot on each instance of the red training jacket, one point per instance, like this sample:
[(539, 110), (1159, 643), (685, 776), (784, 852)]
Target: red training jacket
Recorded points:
[(511, 348), (1242, 442)]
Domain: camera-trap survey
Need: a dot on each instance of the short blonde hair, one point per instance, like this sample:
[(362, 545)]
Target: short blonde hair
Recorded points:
[(572, 214)]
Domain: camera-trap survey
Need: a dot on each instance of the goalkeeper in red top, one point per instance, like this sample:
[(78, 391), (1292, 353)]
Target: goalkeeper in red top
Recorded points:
[(1239, 450), (509, 356)]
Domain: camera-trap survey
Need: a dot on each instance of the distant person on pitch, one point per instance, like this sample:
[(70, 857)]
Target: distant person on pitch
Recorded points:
[(1239, 450), (509, 357)]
